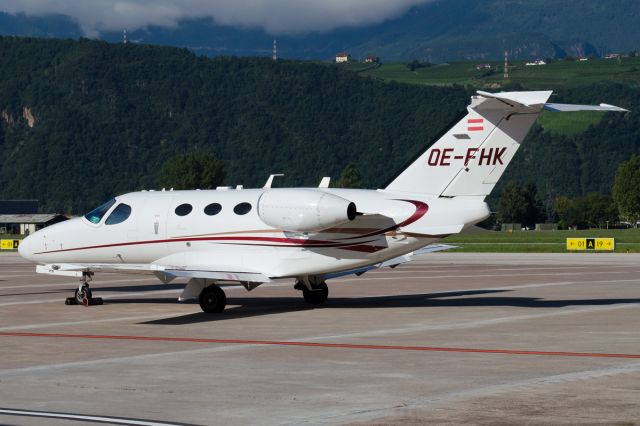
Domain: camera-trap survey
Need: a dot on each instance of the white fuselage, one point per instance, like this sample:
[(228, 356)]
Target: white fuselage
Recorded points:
[(390, 225)]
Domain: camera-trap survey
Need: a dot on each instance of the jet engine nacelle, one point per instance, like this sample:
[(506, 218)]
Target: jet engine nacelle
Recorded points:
[(304, 210)]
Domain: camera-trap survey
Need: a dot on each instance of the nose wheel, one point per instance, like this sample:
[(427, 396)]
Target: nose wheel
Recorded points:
[(82, 295)]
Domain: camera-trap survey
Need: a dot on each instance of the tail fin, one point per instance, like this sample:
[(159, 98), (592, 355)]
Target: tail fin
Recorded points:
[(470, 158)]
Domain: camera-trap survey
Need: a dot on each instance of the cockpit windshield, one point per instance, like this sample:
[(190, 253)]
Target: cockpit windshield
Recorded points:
[(96, 215)]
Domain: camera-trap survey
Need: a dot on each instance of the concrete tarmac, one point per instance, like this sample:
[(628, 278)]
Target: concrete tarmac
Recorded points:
[(446, 339)]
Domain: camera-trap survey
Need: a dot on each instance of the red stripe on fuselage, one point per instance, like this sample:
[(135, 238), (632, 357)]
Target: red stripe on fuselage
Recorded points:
[(293, 242), (421, 210)]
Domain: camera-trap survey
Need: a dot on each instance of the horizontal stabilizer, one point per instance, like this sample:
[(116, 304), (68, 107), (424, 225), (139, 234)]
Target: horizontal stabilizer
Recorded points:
[(574, 108), (519, 99)]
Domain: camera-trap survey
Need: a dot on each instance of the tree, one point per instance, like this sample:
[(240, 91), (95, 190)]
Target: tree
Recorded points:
[(519, 204), (599, 209), (626, 189), (593, 210), (195, 170), (569, 213), (350, 178)]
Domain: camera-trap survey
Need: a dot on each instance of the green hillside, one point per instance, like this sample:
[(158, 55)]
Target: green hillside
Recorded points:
[(557, 74), (81, 121)]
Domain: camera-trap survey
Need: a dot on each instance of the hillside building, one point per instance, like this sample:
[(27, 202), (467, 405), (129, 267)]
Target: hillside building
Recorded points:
[(343, 57), (371, 60)]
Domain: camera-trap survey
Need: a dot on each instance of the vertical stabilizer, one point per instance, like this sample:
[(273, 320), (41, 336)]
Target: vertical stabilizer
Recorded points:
[(470, 158)]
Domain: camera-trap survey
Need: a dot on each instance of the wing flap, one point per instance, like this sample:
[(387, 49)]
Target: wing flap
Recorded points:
[(253, 277)]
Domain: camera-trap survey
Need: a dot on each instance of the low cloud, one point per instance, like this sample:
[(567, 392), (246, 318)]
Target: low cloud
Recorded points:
[(274, 16)]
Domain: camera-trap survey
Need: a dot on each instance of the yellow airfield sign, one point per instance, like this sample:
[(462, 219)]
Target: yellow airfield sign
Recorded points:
[(595, 244), (9, 244)]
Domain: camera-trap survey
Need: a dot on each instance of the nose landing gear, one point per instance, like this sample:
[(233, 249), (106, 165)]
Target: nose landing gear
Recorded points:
[(82, 295)]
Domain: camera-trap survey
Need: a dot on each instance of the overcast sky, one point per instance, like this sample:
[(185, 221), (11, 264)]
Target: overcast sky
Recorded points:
[(275, 16)]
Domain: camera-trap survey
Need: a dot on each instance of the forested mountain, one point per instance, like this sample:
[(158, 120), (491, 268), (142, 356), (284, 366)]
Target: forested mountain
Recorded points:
[(83, 120), (582, 163), (441, 30)]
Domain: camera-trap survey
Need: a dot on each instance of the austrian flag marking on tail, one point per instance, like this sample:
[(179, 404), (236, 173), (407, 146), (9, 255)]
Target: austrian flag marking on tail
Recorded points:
[(475, 124)]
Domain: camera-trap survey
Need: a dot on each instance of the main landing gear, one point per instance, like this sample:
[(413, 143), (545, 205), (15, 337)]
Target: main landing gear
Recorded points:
[(314, 291), (212, 299), (82, 295)]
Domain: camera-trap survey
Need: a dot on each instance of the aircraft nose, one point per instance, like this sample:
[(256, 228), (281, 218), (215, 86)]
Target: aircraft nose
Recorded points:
[(27, 247)]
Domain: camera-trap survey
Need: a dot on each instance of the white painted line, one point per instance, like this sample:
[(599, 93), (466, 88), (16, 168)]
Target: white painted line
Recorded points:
[(431, 277), (408, 268), (75, 365), (116, 295), (363, 416), (108, 296), (69, 416), (551, 284), (91, 321), (94, 284)]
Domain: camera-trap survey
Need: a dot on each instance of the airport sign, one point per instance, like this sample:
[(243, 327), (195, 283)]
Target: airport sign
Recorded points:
[(9, 244), (591, 244)]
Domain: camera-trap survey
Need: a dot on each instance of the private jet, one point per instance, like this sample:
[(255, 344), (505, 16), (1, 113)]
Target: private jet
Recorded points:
[(310, 235)]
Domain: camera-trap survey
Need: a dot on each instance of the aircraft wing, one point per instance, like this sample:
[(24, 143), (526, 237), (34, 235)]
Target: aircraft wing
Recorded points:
[(164, 273), (392, 263)]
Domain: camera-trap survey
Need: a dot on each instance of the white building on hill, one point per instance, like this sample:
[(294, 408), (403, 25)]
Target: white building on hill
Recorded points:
[(342, 57)]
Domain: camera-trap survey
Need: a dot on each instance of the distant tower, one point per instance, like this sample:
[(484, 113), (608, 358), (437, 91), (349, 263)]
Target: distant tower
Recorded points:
[(124, 36), (274, 54), (506, 65)]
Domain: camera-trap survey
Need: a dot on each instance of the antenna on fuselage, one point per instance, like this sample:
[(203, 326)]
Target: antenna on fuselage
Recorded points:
[(270, 180), (324, 183)]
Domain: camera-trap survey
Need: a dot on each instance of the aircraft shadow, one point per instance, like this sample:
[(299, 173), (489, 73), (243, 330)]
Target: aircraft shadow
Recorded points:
[(257, 306), (66, 291)]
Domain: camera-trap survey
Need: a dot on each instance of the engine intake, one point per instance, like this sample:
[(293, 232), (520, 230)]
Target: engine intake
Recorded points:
[(304, 210)]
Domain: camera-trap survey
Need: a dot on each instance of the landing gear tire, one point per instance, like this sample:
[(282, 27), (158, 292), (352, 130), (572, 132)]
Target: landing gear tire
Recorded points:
[(212, 299), (83, 296), (318, 295)]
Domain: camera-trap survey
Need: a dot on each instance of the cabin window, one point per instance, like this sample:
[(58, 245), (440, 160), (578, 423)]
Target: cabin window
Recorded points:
[(212, 209), (242, 208), (96, 215), (119, 214), (183, 209)]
